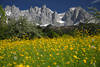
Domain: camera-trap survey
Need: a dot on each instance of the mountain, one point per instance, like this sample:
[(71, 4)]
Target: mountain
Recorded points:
[(44, 16)]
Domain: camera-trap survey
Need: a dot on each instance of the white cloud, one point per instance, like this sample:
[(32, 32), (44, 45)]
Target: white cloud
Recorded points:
[(95, 1)]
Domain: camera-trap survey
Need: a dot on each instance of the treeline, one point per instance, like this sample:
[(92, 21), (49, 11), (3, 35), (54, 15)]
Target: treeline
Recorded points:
[(27, 30), (83, 29)]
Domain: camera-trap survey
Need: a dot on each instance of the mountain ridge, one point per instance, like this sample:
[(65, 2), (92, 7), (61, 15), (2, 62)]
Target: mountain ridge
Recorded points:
[(44, 16)]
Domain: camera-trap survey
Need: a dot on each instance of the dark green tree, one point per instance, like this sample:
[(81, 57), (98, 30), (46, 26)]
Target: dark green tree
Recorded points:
[(3, 24), (2, 15)]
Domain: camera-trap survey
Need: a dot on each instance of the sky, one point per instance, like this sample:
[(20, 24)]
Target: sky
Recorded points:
[(55, 5)]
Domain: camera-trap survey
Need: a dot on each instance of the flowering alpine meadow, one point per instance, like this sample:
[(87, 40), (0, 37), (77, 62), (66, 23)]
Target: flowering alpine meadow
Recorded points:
[(65, 51)]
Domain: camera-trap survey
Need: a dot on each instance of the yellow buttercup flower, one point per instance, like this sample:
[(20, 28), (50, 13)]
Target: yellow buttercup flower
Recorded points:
[(71, 48), (21, 55), (65, 47), (48, 66), (27, 66), (54, 63), (67, 62), (57, 53), (50, 55), (14, 62), (91, 62), (84, 60), (21, 65), (76, 57), (1, 57)]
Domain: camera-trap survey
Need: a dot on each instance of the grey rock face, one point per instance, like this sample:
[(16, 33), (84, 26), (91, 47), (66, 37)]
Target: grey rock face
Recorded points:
[(76, 15), (44, 16), (54, 17), (13, 12)]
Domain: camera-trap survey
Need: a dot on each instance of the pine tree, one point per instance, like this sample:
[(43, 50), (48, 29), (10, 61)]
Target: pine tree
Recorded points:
[(2, 15)]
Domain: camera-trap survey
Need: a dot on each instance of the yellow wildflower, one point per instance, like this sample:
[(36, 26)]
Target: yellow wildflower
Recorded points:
[(57, 53), (48, 66), (83, 49), (1, 57), (65, 47), (76, 57), (71, 48), (27, 66), (21, 65), (21, 55), (67, 62), (14, 62), (50, 55), (84, 60), (91, 61), (54, 63)]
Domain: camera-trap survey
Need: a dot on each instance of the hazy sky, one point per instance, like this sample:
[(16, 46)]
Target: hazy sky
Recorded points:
[(55, 5)]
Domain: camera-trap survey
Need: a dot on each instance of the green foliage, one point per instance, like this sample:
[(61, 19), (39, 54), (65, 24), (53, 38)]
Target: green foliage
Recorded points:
[(19, 28), (3, 24), (22, 28), (85, 29), (52, 33), (4, 31), (2, 15)]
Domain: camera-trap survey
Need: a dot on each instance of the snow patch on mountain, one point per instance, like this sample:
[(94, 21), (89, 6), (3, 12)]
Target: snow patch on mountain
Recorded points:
[(61, 21), (60, 16), (72, 9), (8, 13), (44, 25)]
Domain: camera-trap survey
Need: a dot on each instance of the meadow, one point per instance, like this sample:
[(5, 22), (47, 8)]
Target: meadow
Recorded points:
[(65, 51)]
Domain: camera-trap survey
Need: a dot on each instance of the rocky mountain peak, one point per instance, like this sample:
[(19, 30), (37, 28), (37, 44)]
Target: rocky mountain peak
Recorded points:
[(44, 6), (44, 16)]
